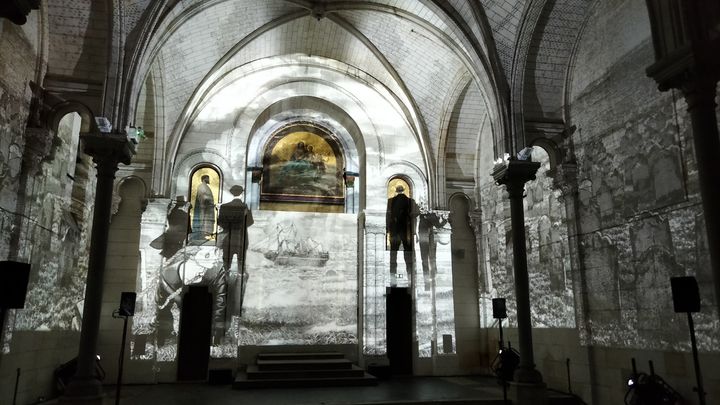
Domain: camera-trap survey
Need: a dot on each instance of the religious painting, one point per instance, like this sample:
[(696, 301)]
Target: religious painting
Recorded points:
[(204, 198), (303, 168), (393, 184)]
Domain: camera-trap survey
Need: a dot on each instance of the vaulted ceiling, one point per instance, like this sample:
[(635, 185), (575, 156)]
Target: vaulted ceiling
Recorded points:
[(514, 53)]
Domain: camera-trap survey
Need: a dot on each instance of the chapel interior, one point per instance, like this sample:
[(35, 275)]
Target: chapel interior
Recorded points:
[(217, 182)]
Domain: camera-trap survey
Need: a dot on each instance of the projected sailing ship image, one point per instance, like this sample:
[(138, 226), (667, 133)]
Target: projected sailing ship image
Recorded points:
[(294, 251)]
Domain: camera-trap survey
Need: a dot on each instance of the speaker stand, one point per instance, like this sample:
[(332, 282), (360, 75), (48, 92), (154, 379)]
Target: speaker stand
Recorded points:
[(698, 374)]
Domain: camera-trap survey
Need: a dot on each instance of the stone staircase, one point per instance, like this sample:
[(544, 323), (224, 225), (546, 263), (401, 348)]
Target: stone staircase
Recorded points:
[(295, 370)]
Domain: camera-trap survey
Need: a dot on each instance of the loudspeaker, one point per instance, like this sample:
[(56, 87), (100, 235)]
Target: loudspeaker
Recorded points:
[(14, 277), (499, 310), (127, 303), (685, 294), (447, 344)]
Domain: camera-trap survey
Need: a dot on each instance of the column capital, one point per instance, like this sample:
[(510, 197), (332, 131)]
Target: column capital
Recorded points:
[(108, 150), (373, 222), (475, 217), (685, 42), (699, 91), (513, 174), (442, 215)]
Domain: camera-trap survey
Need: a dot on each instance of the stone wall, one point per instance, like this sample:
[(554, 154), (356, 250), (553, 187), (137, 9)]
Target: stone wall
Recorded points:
[(639, 222), (640, 218), (551, 294), (45, 215), (555, 338)]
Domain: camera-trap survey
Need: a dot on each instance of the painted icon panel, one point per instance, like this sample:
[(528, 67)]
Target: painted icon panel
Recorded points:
[(204, 198), (303, 164)]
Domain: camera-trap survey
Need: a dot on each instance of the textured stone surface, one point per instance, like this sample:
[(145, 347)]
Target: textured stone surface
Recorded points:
[(551, 294), (596, 302), (640, 218)]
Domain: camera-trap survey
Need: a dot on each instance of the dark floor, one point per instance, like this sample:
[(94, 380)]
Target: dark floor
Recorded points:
[(410, 390)]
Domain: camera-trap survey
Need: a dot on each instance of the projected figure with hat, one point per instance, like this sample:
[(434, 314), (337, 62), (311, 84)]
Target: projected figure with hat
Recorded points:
[(234, 218), (399, 224)]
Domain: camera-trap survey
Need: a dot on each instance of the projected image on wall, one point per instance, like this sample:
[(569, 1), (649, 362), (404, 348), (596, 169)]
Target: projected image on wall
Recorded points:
[(300, 285)]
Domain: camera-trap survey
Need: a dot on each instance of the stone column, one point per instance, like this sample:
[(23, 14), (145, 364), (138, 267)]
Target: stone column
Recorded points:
[(374, 281), (443, 297), (529, 388), (687, 58), (107, 151), (700, 97), (484, 281), (565, 180)]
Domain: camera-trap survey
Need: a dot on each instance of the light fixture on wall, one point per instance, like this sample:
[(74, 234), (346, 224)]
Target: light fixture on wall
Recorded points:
[(104, 125)]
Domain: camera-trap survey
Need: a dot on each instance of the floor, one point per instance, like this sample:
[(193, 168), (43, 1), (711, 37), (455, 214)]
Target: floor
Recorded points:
[(410, 390)]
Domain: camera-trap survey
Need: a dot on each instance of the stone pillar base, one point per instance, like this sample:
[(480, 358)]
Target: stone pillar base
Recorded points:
[(528, 393), (83, 391)]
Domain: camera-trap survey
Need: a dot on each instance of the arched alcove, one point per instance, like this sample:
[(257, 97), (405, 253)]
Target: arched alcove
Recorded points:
[(303, 168), (204, 195)]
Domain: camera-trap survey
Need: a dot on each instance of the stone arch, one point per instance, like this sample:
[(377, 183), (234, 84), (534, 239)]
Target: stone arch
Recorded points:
[(132, 187), (205, 177), (58, 111), (415, 178), (198, 158), (323, 113), (121, 187), (315, 64), (551, 149)]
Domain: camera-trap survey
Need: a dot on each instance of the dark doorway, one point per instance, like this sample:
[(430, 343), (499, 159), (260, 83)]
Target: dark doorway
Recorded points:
[(399, 330), (195, 334)]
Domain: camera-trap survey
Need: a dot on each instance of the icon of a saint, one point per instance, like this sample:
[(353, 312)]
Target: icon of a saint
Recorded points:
[(204, 210)]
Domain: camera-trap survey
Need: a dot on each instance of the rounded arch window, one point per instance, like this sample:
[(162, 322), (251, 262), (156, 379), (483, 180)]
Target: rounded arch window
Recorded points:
[(399, 181), (204, 190)]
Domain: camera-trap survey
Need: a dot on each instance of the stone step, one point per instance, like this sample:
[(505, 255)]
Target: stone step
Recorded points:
[(242, 382), (555, 398), (254, 373), (300, 356), (468, 401), (305, 364)]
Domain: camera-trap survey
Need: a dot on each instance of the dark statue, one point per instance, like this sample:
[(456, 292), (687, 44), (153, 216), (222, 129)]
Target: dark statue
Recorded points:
[(234, 218), (400, 224)]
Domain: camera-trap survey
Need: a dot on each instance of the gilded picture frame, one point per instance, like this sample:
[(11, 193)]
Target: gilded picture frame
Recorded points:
[(303, 163)]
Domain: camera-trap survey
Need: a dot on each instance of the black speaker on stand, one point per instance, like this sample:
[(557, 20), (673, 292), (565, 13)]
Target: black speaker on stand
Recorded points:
[(507, 359), (13, 289), (686, 298), (499, 309), (126, 310)]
